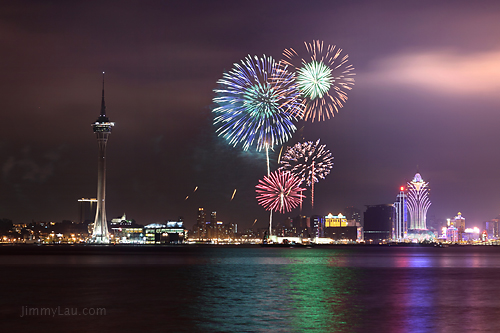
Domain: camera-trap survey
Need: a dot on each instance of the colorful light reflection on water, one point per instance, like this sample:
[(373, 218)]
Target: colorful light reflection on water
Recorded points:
[(221, 289)]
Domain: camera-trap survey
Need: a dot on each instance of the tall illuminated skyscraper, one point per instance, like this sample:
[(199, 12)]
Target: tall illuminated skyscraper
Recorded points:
[(418, 202), (102, 129), (400, 228)]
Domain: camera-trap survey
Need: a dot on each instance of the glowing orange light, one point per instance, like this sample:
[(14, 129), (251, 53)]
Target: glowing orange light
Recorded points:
[(402, 188)]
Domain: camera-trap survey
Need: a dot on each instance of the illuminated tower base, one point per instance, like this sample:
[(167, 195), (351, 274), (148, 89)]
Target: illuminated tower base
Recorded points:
[(102, 129)]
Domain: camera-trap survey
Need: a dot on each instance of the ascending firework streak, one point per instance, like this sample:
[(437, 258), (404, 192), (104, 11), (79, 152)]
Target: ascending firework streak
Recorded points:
[(279, 192), (323, 76), (234, 192), (187, 196), (309, 161)]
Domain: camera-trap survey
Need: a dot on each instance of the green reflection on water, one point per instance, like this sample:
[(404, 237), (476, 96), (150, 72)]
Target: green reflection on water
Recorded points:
[(320, 291)]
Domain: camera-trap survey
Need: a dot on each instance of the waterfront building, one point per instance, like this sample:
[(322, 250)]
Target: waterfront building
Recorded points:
[(212, 226), (200, 228), (171, 232), (128, 234), (302, 226), (378, 222), (458, 222), (491, 228), (335, 220), (121, 221), (347, 233), (400, 227), (102, 128), (317, 226), (418, 202), (452, 234), (287, 230), (470, 235)]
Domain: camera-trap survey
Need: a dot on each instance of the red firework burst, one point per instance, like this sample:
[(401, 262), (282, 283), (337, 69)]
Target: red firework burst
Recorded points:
[(279, 192)]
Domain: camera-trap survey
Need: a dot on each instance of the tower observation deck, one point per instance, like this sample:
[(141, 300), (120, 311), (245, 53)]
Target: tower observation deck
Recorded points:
[(102, 129)]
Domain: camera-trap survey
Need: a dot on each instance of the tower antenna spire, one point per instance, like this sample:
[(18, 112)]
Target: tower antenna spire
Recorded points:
[(103, 105)]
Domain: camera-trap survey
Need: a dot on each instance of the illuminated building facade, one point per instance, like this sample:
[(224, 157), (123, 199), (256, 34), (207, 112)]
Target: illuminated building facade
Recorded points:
[(418, 202), (317, 226), (458, 222), (491, 228), (200, 228), (451, 234), (102, 129), (171, 232), (400, 228), (212, 226), (335, 220), (128, 234)]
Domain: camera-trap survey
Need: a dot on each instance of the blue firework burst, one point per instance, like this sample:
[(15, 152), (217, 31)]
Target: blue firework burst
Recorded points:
[(257, 102)]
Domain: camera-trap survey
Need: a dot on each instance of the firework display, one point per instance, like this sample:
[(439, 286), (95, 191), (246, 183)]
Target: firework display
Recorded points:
[(309, 161), (256, 104), (279, 192), (323, 76)]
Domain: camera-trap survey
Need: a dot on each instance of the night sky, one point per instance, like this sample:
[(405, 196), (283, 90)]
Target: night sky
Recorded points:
[(426, 94)]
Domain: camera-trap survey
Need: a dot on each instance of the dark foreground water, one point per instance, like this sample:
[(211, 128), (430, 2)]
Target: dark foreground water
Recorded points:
[(250, 289)]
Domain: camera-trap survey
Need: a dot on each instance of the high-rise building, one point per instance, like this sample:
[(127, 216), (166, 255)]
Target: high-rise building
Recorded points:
[(458, 222), (102, 129), (302, 225), (200, 228), (317, 226), (418, 202), (378, 220), (212, 226), (491, 228), (400, 228)]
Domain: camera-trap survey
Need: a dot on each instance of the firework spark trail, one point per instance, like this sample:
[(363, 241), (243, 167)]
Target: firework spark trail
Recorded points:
[(279, 192), (323, 77), (256, 104), (234, 192), (187, 196), (309, 161), (279, 156)]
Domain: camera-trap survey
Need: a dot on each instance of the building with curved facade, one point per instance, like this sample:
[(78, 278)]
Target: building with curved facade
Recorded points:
[(418, 202)]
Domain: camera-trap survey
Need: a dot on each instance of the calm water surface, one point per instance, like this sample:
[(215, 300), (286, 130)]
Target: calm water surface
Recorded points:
[(253, 289)]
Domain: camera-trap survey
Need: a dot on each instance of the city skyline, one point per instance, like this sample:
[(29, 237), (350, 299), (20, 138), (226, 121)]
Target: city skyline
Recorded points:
[(410, 106)]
